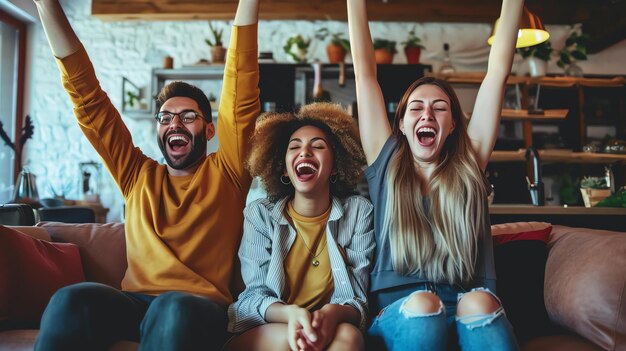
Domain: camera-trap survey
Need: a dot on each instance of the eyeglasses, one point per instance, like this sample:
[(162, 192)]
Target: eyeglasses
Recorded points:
[(165, 117)]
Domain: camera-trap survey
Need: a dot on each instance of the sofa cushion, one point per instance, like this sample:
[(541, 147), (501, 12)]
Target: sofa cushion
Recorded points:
[(503, 233), (31, 270), (585, 284), (520, 255), (102, 248)]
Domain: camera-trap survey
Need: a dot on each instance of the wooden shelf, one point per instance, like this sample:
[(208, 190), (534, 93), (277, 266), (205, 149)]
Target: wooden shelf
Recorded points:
[(555, 155), (474, 78), (510, 114), (555, 82), (555, 210), (568, 82)]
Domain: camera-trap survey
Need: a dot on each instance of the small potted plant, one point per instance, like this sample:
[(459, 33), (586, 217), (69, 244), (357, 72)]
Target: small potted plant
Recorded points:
[(537, 57), (218, 52), (213, 102), (575, 49), (297, 48), (338, 46), (413, 48), (594, 189), (384, 50)]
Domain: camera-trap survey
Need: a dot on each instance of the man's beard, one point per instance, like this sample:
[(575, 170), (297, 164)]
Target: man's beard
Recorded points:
[(198, 150)]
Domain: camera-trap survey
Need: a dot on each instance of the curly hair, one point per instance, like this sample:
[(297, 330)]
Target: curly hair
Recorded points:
[(271, 138)]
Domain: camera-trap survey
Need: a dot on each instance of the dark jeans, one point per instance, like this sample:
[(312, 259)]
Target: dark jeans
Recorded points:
[(92, 316)]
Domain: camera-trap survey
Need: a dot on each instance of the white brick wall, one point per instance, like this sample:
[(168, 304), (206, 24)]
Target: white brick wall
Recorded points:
[(132, 49)]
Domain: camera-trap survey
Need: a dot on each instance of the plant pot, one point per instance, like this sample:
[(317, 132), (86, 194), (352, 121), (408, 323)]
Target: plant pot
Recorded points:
[(592, 196), (383, 56), (218, 53), (413, 54), (537, 67), (336, 53), (573, 70)]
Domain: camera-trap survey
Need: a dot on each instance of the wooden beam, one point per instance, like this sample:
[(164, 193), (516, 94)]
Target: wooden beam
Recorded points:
[(477, 11)]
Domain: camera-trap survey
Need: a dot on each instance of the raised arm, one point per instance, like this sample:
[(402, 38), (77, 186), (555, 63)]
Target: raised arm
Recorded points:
[(485, 121), (373, 124), (239, 103), (96, 115), (247, 13), (63, 41)]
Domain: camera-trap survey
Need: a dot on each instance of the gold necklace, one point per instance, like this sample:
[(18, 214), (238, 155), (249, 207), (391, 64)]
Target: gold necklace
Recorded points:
[(315, 262)]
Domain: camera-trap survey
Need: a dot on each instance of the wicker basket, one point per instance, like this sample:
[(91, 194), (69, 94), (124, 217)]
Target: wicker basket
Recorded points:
[(593, 196)]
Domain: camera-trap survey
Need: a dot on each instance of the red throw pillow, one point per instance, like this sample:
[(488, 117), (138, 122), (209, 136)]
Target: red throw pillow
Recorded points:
[(520, 254), (504, 233), (31, 270)]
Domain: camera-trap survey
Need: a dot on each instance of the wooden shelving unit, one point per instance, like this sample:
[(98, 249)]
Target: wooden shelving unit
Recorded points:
[(555, 82), (562, 156)]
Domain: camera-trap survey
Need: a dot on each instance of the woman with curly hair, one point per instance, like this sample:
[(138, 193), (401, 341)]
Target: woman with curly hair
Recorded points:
[(306, 249), (434, 273)]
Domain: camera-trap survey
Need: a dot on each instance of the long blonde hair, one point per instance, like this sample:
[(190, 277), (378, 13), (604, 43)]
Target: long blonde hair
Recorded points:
[(442, 245)]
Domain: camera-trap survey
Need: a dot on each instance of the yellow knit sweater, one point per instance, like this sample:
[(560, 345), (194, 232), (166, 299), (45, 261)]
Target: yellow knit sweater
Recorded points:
[(182, 233)]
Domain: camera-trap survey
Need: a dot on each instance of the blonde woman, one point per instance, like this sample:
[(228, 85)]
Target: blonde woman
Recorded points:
[(433, 278), (306, 249)]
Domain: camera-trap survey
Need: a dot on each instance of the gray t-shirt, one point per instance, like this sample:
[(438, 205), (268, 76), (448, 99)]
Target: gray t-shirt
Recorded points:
[(383, 276)]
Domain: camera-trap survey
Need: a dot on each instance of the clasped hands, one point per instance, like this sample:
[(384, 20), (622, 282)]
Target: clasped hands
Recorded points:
[(308, 331)]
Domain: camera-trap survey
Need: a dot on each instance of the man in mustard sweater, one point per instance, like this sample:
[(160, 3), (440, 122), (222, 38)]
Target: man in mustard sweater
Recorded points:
[(183, 220)]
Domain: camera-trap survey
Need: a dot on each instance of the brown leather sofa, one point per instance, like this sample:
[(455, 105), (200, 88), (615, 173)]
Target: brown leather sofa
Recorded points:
[(584, 290)]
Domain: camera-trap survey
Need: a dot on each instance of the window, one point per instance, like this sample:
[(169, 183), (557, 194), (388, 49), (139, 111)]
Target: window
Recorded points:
[(12, 67)]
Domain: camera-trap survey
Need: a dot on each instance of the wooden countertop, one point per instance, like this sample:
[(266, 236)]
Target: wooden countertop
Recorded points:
[(555, 210)]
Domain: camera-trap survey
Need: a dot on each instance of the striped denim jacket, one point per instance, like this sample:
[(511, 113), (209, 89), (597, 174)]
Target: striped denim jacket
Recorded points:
[(267, 239)]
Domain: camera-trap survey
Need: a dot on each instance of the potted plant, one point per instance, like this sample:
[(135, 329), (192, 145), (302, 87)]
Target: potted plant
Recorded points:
[(218, 52), (537, 57), (413, 48), (594, 189), (384, 50), (575, 49), (297, 48), (213, 102), (338, 46)]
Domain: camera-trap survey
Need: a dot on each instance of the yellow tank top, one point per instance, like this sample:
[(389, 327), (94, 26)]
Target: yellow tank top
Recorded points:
[(309, 277)]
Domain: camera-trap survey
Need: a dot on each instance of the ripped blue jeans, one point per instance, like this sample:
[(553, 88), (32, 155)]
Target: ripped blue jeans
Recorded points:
[(398, 329)]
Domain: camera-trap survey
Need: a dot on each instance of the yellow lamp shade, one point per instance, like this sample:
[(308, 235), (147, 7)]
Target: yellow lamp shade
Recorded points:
[(531, 31)]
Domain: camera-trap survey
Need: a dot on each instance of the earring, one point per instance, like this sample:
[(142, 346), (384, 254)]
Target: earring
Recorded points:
[(282, 179), (333, 180)]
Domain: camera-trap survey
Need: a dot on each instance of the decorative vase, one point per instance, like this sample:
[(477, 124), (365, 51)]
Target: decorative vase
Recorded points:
[(26, 188), (218, 53), (573, 70), (336, 53), (413, 54), (383, 56), (537, 67)]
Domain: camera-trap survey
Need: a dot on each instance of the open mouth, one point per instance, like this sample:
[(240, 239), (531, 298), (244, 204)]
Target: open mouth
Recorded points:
[(305, 171), (178, 143), (426, 136)]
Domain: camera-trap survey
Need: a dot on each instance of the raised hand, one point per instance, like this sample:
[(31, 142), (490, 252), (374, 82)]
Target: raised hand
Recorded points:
[(61, 37)]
